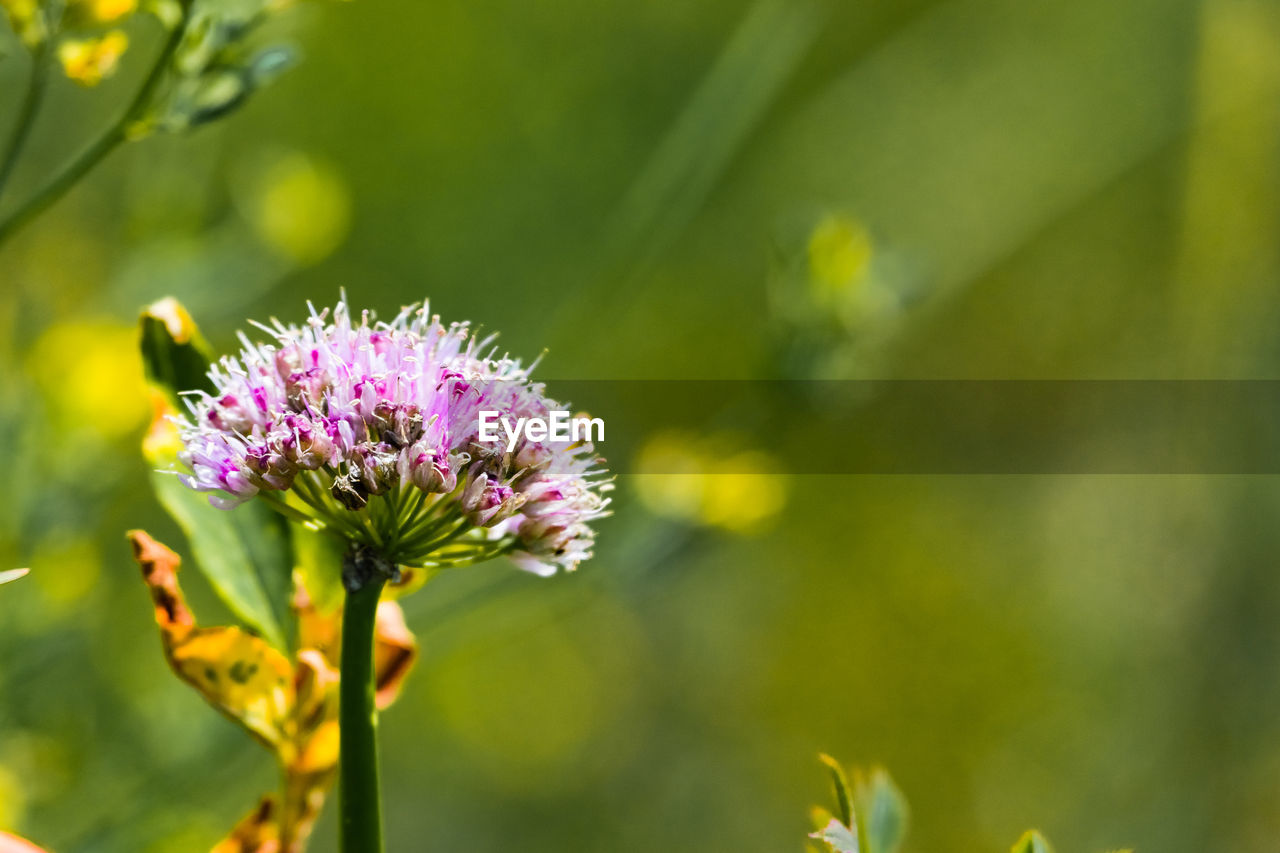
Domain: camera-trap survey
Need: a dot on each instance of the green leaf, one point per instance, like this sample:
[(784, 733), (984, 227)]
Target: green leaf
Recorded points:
[(12, 575), (1032, 842), (882, 813), (838, 837), (244, 552), (841, 782), (174, 353)]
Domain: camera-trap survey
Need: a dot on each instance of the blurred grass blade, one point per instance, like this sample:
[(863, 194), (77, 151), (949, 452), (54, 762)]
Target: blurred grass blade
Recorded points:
[(174, 353), (761, 55), (844, 796), (12, 575), (986, 109)]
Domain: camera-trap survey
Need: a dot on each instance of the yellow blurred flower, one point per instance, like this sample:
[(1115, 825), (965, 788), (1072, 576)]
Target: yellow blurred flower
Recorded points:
[(90, 373), (89, 61), (73, 565), (12, 798), (299, 207), (694, 480), (110, 10), (840, 251), (26, 19), (80, 15), (750, 494)]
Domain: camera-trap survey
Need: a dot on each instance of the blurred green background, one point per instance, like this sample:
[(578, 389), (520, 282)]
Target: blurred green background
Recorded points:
[(710, 189)]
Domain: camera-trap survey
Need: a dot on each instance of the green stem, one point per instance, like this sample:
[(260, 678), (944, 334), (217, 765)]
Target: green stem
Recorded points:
[(281, 506), (359, 795), (26, 112), (428, 533), (97, 150)]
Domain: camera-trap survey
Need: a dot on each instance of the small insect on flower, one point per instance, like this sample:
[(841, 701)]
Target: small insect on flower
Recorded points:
[(370, 430)]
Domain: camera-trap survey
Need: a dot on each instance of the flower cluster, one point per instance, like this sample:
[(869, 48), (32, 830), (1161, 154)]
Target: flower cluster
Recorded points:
[(371, 429), (86, 51)]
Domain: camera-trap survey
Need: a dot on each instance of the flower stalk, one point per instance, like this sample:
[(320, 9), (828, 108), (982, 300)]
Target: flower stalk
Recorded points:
[(359, 789), (27, 111)]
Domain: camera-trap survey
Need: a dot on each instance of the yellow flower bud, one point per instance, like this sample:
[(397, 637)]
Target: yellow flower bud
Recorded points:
[(89, 61), (26, 19), (110, 10), (840, 251)]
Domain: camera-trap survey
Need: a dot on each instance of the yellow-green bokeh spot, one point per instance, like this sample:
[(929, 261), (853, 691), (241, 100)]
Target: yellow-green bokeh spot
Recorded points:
[(840, 252)]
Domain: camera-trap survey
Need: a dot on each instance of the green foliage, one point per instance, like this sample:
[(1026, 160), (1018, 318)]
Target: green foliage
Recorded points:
[(212, 59), (216, 67), (841, 783), (245, 553), (175, 355), (882, 812), (872, 815), (318, 560), (1068, 189)]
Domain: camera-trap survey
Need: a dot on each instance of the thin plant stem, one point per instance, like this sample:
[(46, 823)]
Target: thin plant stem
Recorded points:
[(428, 531), (311, 493), (444, 561), (290, 811), (97, 150), (25, 119), (359, 794), (280, 506), (409, 507)]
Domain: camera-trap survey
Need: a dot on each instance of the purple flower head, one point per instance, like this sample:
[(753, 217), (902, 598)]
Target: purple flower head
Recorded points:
[(372, 431)]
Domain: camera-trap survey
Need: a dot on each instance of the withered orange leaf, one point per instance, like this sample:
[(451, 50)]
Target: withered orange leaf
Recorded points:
[(236, 672), (257, 833), (290, 706), (394, 652)]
